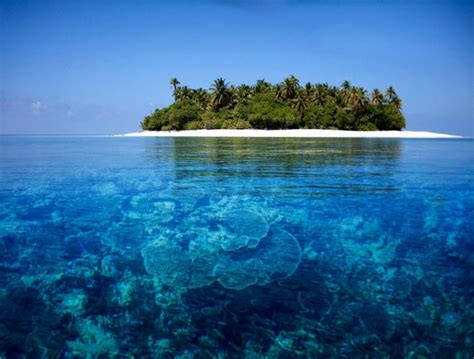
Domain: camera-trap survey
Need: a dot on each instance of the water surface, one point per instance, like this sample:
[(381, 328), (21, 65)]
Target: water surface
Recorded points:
[(215, 247)]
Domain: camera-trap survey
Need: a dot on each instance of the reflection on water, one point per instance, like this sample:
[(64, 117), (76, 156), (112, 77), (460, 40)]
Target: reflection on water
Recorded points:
[(225, 247), (244, 156)]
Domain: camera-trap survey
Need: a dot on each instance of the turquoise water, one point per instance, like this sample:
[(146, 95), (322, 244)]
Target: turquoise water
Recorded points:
[(205, 248)]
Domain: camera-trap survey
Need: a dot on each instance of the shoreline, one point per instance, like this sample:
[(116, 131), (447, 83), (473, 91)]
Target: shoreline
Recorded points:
[(298, 133)]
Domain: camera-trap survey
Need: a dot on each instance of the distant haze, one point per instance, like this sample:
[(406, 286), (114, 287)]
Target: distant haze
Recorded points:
[(101, 66)]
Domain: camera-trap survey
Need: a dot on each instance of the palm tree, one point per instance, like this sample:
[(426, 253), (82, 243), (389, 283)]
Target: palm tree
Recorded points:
[(301, 104), (346, 85), (279, 92), (320, 94), (357, 99), (182, 93), (289, 87), (331, 91), (397, 102), (200, 98), (390, 93), (174, 83), (377, 97), (339, 98), (318, 97), (262, 86), (309, 89), (220, 93), (242, 94)]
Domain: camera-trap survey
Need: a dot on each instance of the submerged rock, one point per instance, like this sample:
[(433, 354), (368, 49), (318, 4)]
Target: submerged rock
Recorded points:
[(186, 196), (173, 266), (237, 275), (168, 262), (246, 228), (277, 257), (93, 341), (108, 266), (73, 302)]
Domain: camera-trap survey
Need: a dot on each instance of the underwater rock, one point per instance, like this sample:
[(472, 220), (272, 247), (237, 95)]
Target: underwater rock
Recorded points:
[(201, 273), (164, 348), (422, 316), (108, 267), (73, 302), (300, 343), (186, 196), (246, 229), (93, 341), (238, 275), (125, 289), (173, 266), (125, 234), (221, 204), (165, 210), (212, 231), (277, 257), (280, 254), (142, 204), (205, 240), (167, 262), (167, 298), (152, 210), (362, 241), (358, 228)]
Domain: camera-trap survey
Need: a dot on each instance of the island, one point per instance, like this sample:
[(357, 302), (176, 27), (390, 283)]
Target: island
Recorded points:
[(284, 106)]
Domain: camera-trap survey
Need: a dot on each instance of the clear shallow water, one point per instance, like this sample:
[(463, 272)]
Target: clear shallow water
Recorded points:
[(236, 247)]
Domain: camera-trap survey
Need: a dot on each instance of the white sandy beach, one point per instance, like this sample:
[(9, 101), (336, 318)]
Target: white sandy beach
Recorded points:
[(300, 133)]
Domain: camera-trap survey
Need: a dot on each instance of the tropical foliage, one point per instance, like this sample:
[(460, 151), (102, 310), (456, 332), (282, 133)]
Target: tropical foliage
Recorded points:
[(286, 105)]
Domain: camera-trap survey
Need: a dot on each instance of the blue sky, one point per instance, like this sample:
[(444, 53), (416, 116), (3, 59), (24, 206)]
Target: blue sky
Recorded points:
[(101, 66)]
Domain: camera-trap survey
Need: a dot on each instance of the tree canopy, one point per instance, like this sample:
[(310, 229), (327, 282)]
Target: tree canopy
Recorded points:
[(286, 105)]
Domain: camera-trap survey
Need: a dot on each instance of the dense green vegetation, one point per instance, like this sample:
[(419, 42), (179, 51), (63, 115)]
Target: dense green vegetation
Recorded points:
[(286, 105)]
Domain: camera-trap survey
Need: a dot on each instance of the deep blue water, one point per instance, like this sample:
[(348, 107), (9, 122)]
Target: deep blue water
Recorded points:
[(205, 248)]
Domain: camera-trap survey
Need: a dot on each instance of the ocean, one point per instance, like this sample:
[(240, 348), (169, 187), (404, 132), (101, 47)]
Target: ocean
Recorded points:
[(236, 247)]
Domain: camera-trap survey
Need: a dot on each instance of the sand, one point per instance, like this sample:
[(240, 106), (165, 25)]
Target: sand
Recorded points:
[(300, 133)]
